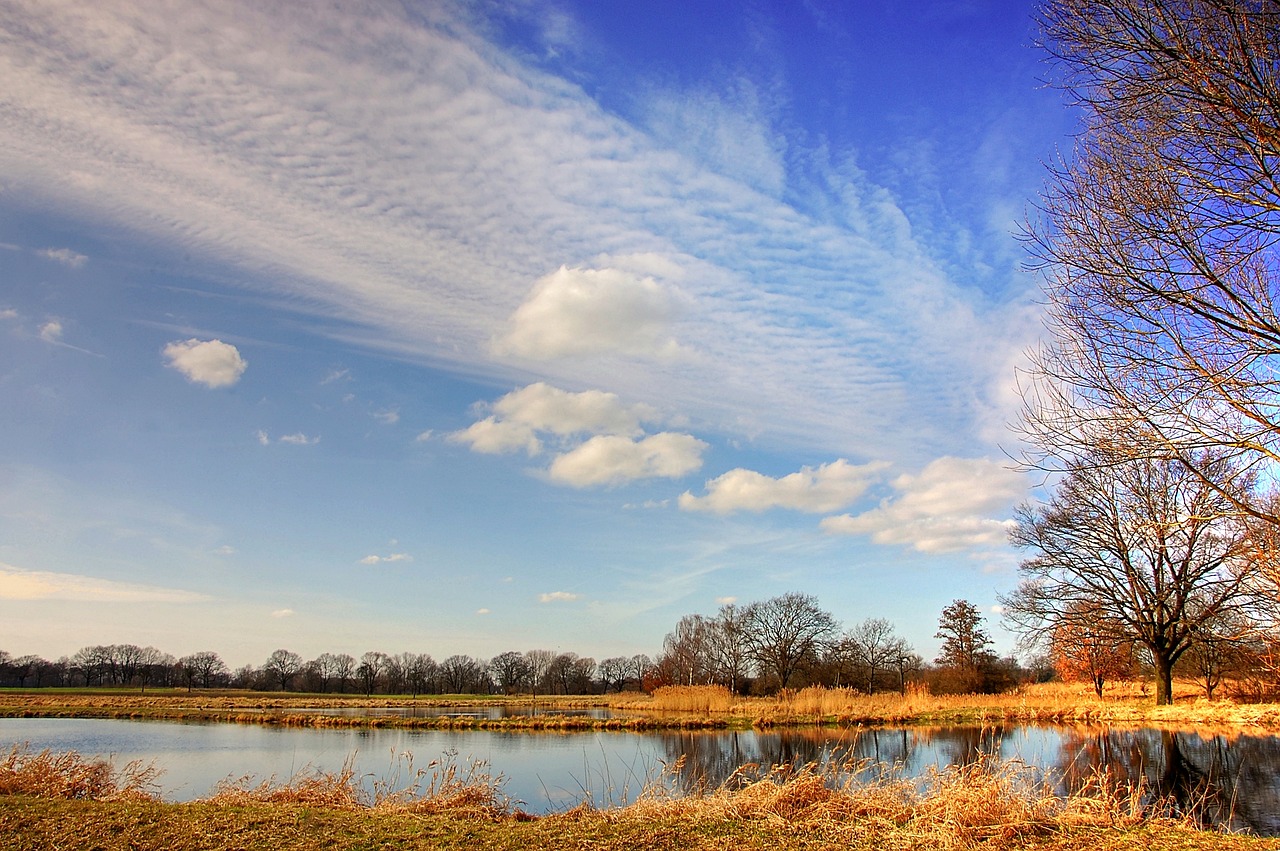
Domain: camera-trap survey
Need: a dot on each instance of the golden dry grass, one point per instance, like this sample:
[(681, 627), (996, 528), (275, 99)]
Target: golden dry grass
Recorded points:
[(704, 699), (451, 805), (72, 777)]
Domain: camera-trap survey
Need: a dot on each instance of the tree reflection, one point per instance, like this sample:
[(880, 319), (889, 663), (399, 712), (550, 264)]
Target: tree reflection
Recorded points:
[(1218, 781)]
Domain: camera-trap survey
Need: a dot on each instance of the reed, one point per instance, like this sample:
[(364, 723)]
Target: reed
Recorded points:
[(71, 776), (692, 699)]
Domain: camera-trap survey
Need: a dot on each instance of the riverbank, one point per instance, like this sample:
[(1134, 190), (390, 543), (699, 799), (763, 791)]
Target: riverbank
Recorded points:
[(679, 708), (61, 801)]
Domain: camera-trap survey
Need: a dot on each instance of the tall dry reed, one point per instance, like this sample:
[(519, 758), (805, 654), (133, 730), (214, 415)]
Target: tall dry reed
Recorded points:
[(692, 699), (71, 776)]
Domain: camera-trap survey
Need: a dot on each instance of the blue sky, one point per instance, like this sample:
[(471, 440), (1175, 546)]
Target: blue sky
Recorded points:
[(467, 327)]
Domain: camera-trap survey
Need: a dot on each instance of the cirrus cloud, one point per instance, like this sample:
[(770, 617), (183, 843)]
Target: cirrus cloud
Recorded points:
[(19, 584), (212, 363), (826, 488)]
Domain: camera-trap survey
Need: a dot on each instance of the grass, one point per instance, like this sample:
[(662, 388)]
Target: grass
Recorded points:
[(688, 707), (452, 806)]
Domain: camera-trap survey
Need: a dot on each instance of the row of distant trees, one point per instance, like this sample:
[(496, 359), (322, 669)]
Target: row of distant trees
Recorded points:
[(790, 641), (530, 672)]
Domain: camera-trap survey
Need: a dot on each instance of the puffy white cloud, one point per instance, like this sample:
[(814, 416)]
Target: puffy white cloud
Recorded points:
[(65, 256), (591, 311), (299, 439), (19, 584), (520, 415), (828, 487), (212, 363), (498, 437), (482, 611), (51, 331), (948, 507), (613, 459), (557, 597), (389, 559)]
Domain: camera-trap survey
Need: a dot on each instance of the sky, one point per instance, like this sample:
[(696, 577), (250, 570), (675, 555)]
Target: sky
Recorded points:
[(465, 327)]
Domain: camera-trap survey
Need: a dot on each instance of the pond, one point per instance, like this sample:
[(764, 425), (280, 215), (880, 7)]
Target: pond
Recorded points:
[(1230, 781)]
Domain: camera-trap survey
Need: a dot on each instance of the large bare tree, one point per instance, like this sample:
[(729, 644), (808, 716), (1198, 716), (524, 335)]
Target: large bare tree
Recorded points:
[(784, 633), (1159, 236), (1142, 548)]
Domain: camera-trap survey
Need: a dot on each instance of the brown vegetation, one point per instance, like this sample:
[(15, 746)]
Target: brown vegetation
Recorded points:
[(447, 806)]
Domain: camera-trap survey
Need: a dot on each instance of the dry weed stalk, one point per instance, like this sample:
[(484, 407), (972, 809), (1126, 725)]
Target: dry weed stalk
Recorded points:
[(71, 776)]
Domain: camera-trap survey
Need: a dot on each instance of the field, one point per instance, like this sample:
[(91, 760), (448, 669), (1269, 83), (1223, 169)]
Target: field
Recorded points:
[(50, 801), (700, 707)]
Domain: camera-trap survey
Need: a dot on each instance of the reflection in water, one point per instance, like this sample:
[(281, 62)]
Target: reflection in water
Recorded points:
[(1220, 782), (1224, 781)]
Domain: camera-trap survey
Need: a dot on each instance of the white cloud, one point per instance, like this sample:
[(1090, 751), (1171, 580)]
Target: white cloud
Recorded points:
[(388, 417), (19, 584), (212, 363), (948, 507), (263, 438), (258, 138), (592, 311), (557, 597), (283, 613), (225, 550), (65, 256), (8, 313), (519, 416), (726, 601), (609, 459), (51, 331), (498, 437), (826, 488), (389, 559), (299, 439), (482, 611), (423, 436)]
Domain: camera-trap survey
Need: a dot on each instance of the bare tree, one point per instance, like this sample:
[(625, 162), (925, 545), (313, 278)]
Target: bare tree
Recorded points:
[(787, 632), (370, 668), (1160, 238), (539, 664), (281, 667), (874, 649), (510, 671), (1149, 543), (344, 667)]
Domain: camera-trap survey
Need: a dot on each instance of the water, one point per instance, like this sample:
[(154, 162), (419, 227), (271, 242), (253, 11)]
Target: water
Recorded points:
[(1234, 782)]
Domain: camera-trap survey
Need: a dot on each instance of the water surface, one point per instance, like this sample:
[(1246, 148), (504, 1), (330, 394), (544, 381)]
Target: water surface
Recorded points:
[(1233, 782)]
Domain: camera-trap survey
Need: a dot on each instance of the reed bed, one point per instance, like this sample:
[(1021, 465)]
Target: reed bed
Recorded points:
[(69, 776), (692, 699)]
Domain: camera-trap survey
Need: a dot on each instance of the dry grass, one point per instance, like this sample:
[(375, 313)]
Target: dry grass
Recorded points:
[(452, 805), (692, 699), (444, 786), (697, 707), (72, 777)]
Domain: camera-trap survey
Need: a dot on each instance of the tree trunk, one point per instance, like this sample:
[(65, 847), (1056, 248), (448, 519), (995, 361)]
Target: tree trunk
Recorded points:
[(1164, 679)]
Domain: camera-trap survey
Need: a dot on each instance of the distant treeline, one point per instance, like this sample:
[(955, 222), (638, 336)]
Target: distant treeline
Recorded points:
[(787, 641)]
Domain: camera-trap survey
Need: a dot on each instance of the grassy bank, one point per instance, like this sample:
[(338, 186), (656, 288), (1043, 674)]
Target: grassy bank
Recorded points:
[(52, 801), (673, 708)]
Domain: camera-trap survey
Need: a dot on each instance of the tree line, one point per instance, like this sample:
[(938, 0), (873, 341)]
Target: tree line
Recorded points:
[(784, 642)]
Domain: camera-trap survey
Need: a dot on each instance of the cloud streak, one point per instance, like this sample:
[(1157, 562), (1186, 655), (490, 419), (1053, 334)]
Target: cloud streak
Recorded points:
[(19, 584), (281, 143)]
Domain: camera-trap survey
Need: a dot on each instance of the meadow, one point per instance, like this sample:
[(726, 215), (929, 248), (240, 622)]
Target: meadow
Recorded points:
[(680, 707)]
